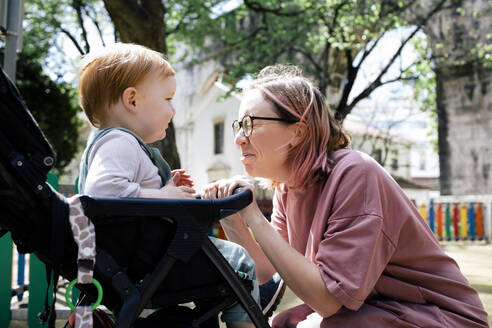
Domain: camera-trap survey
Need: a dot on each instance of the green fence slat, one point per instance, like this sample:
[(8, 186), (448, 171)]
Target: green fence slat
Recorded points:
[(5, 279), (37, 291), (52, 179), (37, 278)]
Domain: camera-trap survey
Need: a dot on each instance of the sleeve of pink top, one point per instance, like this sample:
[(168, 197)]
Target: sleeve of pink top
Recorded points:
[(352, 256), (354, 249)]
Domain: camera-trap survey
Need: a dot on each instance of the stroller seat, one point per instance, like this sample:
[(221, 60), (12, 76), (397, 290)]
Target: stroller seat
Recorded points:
[(151, 253)]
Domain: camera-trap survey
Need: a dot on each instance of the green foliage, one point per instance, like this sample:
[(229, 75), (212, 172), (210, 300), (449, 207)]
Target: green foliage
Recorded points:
[(52, 105), (323, 37), (52, 102), (481, 53), (184, 18)]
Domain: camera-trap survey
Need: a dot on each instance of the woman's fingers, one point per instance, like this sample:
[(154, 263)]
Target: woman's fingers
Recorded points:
[(210, 192), (226, 187)]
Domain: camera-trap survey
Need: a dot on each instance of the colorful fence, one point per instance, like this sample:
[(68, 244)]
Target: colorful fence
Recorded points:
[(463, 218)]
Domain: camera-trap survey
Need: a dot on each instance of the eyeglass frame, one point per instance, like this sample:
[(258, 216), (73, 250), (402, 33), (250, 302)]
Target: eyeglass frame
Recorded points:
[(252, 118)]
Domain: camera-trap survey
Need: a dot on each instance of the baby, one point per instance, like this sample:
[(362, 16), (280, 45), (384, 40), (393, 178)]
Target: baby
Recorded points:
[(126, 91)]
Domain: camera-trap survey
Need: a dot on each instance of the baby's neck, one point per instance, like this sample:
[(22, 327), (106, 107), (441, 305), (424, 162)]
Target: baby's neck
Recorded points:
[(114, 119)]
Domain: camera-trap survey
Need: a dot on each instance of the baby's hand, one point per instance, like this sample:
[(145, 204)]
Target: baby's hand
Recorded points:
[(181, 178), (171, 190)]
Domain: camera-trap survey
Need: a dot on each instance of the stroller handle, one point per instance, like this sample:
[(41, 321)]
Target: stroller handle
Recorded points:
[(240, 198), (138, 207)]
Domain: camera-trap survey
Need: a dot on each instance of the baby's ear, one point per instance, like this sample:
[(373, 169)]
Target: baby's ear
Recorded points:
[(129, 99)]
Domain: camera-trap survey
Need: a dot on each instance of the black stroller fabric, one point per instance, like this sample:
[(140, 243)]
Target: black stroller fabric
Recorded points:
[(150, 253)]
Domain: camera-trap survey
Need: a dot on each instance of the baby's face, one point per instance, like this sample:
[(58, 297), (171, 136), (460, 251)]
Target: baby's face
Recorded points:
[(154, 106)]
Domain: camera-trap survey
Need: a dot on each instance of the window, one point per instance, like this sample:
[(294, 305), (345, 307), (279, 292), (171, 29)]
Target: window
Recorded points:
[(422, 163), (394, 159), (377, 154), (219, 137)]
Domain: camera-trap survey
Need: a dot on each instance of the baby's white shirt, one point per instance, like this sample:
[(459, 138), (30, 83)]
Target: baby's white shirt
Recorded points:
[(119, 167)]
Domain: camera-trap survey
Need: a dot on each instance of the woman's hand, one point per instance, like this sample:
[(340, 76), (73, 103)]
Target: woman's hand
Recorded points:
[(235, 226), (225, 187)]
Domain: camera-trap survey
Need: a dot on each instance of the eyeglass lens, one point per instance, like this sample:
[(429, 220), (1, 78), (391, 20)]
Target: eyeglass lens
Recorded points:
[(247, 125)]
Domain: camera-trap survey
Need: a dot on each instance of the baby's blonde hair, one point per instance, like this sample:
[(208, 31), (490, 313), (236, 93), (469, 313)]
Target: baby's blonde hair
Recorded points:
[(106, 74)]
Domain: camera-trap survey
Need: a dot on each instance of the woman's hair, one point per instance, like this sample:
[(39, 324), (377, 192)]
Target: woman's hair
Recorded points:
[(105, 75), (295, 97)]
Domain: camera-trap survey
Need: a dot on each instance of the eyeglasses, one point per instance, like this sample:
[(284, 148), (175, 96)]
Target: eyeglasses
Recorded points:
[(247, 123)]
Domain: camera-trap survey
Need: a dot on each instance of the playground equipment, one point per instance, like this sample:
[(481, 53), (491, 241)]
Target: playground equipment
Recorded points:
[(459, 218)]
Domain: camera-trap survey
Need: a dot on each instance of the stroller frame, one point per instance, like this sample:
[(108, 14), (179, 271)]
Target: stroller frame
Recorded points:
[(37, 217)]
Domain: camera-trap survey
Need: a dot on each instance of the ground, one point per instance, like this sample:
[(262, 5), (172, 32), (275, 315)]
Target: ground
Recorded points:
[(473, 259)]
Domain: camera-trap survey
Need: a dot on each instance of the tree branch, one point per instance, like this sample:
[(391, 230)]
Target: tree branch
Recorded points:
[(395, 9), (344, 108), (255, 6), (368, 52), (376, 84), (334, 18), (308, 57), (74, 40), (95, 22), (180, 23), (77, 5), (351, 76)]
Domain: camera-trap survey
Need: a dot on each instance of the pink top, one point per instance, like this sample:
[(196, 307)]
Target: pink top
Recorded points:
[(371, 244)]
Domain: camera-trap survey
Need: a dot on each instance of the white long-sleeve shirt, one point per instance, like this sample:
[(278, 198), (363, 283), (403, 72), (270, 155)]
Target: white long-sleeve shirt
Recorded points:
[(119, 167)]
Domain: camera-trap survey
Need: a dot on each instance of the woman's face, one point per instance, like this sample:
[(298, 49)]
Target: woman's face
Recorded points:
[(264, 152)]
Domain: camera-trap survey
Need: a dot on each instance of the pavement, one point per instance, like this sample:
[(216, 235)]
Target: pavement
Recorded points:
[(474, 260)]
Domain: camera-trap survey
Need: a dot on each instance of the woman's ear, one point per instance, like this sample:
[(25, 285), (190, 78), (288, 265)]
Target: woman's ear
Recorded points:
[(129, 99), (300, 130)]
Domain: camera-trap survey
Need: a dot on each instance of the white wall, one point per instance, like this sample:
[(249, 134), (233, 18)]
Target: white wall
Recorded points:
[(195, 137)]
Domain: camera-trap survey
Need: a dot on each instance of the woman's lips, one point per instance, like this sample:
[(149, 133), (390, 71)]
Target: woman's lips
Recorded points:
[(246, 156)]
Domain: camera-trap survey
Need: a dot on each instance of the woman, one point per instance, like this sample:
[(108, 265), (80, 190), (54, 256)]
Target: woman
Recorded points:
[(343, 235)]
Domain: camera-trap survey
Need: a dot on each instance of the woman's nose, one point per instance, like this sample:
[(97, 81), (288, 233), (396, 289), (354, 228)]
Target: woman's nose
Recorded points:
[(240, 138)]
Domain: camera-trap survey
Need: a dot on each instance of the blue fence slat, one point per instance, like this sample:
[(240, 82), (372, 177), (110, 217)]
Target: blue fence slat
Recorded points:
[(431, 215), (471, 220), (21, 266)]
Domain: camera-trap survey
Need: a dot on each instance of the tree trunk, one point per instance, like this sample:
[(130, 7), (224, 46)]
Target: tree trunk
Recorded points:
[(442, 135), (142, 22), (464, 103), (464, 98)]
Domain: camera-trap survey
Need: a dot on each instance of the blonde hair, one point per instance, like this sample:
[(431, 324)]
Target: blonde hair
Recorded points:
[(105, 75), (295, 97)]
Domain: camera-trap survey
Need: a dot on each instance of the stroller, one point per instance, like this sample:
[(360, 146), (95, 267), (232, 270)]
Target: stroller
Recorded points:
[(151, 254)]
